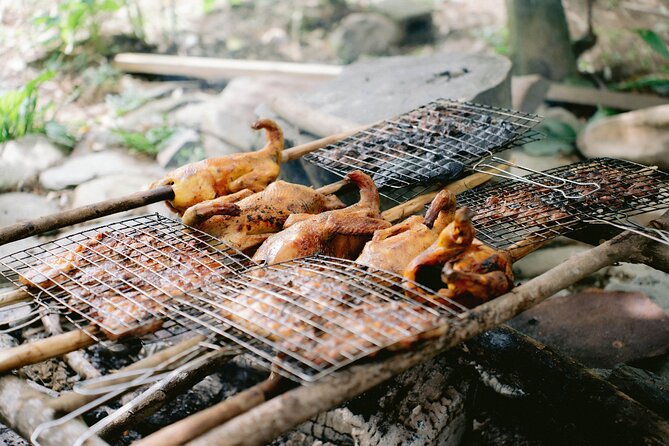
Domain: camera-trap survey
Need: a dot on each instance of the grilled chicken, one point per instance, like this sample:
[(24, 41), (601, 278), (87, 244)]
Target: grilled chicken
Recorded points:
[(339, 233), (460, 267), (245, 219), (393, 248), (477, 275), (216, 177)]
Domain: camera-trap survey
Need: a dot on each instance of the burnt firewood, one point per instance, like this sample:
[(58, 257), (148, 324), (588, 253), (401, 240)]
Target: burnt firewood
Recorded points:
[(560, 390)]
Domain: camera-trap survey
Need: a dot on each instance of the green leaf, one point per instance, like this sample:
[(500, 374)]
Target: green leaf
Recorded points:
[(58, 134), (654, 41)]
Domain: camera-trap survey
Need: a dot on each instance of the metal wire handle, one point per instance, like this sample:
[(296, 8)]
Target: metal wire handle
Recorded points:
[(486, 166), (625, 223)]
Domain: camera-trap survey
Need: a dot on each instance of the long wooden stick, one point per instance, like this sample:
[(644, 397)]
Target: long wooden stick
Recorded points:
[(23, 229), (33, 352), (263, 423), (184, 430), (14, 296)]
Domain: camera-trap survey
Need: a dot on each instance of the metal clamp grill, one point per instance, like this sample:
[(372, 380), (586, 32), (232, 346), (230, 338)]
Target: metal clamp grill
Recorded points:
[(434, 142), (125, 275), (511, 213)]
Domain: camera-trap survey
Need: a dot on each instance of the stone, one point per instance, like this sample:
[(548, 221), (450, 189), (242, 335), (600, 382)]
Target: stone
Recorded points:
[(367, 34), (633, 277), (183, 147), (402, 10), (599, 328), (79, 169), (372, 90), (110, 186), (641, 136), (21, 160), (17, 206), (542, 260), (528, 92)]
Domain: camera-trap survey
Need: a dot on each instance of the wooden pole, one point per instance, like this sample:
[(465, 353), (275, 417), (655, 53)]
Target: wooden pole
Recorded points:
[(33, 352)]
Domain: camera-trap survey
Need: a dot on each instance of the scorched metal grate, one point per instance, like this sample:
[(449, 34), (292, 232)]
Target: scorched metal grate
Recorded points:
[(433, 143), (511, 213), (124, 277)]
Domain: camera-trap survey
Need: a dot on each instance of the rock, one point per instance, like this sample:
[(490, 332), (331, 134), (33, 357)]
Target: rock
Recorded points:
[(540, 261), (79, 169), (107, 187), (364, 34), (183, 147), (599, 329), (413, 16), (23, 159), (640, 278), (17, 206), (152, 113), (372, 90), (641, 136)]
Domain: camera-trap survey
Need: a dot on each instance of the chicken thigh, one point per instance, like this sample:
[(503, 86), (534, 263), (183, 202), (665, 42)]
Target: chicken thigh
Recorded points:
[(339, 233), (215, 177), (244, 219), (393, 248)]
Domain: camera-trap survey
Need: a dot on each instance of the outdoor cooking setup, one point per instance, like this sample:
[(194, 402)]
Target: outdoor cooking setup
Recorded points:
[(327, 328)]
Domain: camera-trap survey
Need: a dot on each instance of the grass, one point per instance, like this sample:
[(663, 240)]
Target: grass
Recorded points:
[(147, 143), (19, 115)]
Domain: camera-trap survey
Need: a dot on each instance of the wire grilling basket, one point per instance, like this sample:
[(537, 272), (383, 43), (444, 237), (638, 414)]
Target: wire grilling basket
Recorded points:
[(433, 143), (511, 213), (122, 276)]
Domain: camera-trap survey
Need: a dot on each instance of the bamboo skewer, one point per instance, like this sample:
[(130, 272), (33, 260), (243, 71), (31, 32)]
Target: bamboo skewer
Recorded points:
[(23, 229)]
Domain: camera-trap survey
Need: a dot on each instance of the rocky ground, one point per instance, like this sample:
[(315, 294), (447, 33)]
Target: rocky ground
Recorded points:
[(186, 120)]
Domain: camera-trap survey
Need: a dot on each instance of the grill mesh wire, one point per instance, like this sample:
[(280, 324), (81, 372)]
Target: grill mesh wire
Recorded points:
[(307, 317), (433, 143), (511, 213)]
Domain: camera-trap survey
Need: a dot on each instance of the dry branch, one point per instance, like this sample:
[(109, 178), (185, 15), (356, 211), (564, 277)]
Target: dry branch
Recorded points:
[(14, 296), (76, 359), (23, 409), (199, 423), (265, 422)]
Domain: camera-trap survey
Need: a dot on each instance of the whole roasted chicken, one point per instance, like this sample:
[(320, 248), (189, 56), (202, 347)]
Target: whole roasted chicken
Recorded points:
[(339, 233), (215, 177), (461, 268), (393, 248), (245, 219)]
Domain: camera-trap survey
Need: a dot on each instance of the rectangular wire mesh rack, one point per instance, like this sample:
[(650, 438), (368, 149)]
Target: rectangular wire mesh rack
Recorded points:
[(124, 277), (309, 317), (433, 143), (511, 213)]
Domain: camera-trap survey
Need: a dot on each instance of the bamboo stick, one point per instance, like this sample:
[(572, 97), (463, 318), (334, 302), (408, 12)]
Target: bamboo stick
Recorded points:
[(76, 359), (69, 401), (190, 427), (217, 69), (263, 423), (33, 352), (14, 296)]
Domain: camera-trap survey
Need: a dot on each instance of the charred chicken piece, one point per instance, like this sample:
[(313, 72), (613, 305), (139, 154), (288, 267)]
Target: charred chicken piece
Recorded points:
[(453, 240), (476, 276), (338, 233), (393, 248), (245, 220), (216, 177)]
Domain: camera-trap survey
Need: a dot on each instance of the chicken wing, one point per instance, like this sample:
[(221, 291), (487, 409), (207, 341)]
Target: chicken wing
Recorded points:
[(215, 177), (249, 221), (339, 233), (393, 248)]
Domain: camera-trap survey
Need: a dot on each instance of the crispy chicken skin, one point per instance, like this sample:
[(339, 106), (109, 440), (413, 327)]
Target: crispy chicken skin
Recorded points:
[(393, 248), (472, 273), (216, 177), (245, 219), (339, 233)]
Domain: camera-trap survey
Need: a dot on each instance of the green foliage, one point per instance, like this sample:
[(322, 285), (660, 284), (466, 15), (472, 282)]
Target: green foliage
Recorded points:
[(149, 142), (654, 41), (18, 109)]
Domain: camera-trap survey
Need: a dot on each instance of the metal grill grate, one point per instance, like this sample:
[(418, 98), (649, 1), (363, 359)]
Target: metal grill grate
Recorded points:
[(432, 143), (123, 277), (511, 213), (311, 316)]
